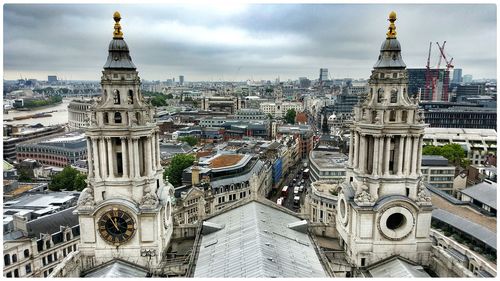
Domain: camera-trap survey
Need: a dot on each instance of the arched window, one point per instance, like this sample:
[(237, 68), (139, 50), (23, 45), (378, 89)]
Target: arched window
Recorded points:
[(68, 236), (26, 253), (14, 258), (380, 95), (116, 97), (394, 96), (118, 117), (106, 119), (130, 97), (6, 260)]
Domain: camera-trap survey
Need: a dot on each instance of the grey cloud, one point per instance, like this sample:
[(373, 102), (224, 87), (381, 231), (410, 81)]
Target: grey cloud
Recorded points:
[(55, 38)]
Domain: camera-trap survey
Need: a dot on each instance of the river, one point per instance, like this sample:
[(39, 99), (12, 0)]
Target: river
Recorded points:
[(59, 116)]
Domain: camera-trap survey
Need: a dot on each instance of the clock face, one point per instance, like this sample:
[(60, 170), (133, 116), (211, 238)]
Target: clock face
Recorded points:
[(116, 226)]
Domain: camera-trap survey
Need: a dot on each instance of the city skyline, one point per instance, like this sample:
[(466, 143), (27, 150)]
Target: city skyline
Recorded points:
[(242, 41)]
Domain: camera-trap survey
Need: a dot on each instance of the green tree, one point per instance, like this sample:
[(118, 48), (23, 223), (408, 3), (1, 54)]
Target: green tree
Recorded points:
[(169, 96), (24, 176), (270, 116), (290, 116), (159, 101), (177, 165), (451, 151), (192, 141), (69, 178)]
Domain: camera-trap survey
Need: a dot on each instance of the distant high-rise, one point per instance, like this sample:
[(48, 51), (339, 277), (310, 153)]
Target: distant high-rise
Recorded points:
[(467, 78), (181, 79), (416, 84), (457, 75), (304, 82), (52, 78), (323, 74)]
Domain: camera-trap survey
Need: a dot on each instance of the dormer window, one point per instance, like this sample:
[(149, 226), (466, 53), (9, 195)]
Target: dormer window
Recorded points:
[(394, 96), (380, 95), (117, 96)]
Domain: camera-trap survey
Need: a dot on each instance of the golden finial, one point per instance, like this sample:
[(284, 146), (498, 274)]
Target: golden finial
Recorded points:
[(117, 34), (391, 34)]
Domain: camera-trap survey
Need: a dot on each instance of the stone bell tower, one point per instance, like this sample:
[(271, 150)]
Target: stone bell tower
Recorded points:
[(125, 211), (383, 207)]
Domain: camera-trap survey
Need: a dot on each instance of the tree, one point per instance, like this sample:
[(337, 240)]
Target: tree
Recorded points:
[(69, 178), (270, 116), (192, 141), (290, 116), (451, 151), (177, 165), (169, 96), (159, 101)]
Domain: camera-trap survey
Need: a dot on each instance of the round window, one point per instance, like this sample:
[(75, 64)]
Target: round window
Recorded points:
[(395, 221)]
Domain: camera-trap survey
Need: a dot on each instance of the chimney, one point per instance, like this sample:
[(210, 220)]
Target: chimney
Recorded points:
[(20, 223), (195, 174)]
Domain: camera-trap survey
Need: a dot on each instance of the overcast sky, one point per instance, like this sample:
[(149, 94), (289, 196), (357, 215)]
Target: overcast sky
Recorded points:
[(239, 42)]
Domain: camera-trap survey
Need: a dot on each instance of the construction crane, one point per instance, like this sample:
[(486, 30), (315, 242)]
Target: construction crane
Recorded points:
[(449, 65), (428, 76)]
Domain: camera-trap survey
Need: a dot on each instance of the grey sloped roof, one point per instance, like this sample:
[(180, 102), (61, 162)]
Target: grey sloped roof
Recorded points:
[(117, 269), (241, 178), (51, 223), (255, 241), (471, 228), (483, 192), (397, 268)]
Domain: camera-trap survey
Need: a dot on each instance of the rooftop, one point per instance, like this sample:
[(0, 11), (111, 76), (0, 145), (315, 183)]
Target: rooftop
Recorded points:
[(328, 159), (483, 192), (40, 201), (434, 160), (225, 160), (256, 240)]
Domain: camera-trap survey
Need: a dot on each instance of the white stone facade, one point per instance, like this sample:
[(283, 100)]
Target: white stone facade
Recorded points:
[(278, 109), (124, 172), (78, 114), (383, 207)]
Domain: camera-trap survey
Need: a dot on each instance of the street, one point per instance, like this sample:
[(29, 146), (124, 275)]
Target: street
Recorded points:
[(296, 173)]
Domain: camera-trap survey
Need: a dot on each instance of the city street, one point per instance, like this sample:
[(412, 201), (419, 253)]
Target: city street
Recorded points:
[(288, 201)]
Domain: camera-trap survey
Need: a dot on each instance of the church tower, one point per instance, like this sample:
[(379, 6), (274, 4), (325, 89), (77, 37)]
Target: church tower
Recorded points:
[(125, 211), (384, 208)]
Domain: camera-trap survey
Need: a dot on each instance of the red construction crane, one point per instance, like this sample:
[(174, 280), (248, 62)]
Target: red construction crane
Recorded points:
[(446, 79), (428, 77)]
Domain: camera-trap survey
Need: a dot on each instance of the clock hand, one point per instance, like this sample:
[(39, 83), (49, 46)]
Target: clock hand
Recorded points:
[(114, 223)]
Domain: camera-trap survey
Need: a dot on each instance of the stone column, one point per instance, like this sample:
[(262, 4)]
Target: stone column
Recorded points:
[(95, 154), (104, 163), (351, 148), (419, 155), (356, 151), (124, 156), (111, 157), (136, 157), (153, 155), (407, 163), (157, 143), (387, 157), (148, 156), (401, 152), (131, 157), (375, 155), (414, 155), (362, 155), (90, 163), (381, 155)]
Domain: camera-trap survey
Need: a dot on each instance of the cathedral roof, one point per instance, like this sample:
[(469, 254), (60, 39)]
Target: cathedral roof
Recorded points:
[(118, 56), (390, 51)]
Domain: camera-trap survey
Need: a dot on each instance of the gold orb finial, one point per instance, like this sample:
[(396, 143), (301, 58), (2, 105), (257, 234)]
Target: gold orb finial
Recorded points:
[(391, 34), (117, 34)]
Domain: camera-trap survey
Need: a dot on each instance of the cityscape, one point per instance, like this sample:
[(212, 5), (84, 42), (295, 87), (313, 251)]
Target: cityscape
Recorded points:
[(251, 140)]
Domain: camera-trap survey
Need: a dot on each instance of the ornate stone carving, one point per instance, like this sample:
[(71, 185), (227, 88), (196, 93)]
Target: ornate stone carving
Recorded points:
[(363, 195), (86, 198), (423, 196), (149, 199)]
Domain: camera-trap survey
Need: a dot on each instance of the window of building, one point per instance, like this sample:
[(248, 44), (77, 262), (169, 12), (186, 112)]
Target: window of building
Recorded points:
[(392, 116), (118, 118), (44, 261), (16, 272), (116, 97), (68, 236), (49, 258), (74, 247), (380, 94), (130, 97), (28, 268), (55, 256), (6, 259), (9, 274), (26, 253), (363, 261), (404, 116), (394, 95), (106, 118), (47, 244)]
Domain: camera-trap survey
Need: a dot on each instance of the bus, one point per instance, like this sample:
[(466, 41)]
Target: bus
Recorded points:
[(284, 191), (305, 174)]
